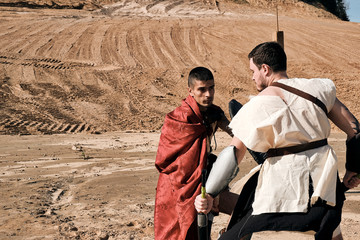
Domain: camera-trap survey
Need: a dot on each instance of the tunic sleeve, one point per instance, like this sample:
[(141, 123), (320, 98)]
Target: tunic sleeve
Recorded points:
[(255, 123)]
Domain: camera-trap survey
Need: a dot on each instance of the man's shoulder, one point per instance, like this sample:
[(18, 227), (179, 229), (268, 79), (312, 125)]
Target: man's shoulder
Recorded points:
[(182, 113), (307, 81), (216, 109), (183, 108), (214, 113), (312, 85)]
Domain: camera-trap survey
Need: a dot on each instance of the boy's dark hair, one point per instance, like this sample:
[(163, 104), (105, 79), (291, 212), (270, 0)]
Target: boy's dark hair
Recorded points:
[(201, 74), (269, 53)]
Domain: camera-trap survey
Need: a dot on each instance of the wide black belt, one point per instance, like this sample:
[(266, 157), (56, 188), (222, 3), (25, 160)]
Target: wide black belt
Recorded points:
[(275, 152)]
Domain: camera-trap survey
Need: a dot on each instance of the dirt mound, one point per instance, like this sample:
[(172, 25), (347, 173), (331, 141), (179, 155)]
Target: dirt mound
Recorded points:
[(124, 66)]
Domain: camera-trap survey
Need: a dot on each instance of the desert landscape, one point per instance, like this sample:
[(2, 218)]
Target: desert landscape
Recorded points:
[(85, 86)]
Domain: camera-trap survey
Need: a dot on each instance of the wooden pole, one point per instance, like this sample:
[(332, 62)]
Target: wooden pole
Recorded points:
[(277, 18), (278, 36)]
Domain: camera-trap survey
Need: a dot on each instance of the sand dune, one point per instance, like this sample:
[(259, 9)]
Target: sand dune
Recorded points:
[(124, 66)]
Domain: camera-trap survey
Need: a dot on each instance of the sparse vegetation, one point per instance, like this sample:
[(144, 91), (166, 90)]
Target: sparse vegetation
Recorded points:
[(84, 156), (336, 7)]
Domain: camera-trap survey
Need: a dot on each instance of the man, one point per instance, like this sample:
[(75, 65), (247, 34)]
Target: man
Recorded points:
[(183, 152), (297, 187)]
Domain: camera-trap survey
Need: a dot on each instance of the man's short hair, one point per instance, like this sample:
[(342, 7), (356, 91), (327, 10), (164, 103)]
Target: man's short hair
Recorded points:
[(201, 74), (271, 54)]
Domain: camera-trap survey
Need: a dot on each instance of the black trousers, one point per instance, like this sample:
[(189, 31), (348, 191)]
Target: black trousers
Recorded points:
[(321, 218)]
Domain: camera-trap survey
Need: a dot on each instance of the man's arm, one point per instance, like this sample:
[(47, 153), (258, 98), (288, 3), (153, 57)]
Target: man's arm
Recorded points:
[(240, 148), (345, 120), (204, 205), (224, 125)]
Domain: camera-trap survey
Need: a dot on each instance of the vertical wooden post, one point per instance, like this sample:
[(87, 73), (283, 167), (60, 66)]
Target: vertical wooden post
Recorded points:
[(277, 18), (278, 36)]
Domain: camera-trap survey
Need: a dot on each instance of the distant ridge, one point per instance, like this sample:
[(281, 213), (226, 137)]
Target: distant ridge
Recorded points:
[(335, 7)]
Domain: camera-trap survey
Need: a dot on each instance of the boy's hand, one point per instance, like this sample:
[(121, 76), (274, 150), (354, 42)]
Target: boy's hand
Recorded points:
[(203, 205)]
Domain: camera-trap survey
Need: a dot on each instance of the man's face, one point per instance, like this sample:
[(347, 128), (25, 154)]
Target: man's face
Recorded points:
[(203, 93), (258, 76)]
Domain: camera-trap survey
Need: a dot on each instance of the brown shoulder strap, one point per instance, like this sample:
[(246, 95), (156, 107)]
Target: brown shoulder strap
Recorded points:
[(302, 94)]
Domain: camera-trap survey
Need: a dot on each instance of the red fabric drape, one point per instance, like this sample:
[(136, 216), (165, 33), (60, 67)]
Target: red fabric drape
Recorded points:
[(180, 158)]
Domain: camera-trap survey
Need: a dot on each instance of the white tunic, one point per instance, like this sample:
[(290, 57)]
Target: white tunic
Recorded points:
[(270, 122)]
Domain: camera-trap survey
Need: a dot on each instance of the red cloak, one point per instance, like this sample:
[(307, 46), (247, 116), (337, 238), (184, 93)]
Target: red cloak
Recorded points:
[(180, 158)]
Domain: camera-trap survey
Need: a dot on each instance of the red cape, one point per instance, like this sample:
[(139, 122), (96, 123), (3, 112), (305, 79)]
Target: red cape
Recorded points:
[(180, 158)]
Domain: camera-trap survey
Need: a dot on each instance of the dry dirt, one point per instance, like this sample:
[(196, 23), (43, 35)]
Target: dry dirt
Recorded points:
[(85, 186), (117, 70)]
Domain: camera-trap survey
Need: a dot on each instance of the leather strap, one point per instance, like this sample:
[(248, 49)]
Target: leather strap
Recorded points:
[(275, 152), (302, 94)]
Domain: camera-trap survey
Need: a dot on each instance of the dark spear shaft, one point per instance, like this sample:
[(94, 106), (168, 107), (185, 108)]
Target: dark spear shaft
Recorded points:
[(202, 218)]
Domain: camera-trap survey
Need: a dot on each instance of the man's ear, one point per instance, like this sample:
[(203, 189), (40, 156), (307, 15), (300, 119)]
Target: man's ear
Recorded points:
[(267, 69), (191, 92)]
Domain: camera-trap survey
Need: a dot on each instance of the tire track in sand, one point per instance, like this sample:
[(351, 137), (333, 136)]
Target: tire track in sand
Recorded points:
[(83, 47), (137, 47), (109, 51), (16, 126), (178, 35), (65, 40)]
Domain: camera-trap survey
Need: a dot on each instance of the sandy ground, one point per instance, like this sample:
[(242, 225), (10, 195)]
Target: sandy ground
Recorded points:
[(124, 66), (85, 186), (85, 68)]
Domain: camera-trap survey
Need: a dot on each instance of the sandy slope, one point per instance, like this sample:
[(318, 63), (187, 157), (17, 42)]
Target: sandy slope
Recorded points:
[(124, 66)]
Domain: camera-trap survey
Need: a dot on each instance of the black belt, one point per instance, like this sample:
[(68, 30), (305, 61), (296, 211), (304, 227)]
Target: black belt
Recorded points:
[(275, 152)]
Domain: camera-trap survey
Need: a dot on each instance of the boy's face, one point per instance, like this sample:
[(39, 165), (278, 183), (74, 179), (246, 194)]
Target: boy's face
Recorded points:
[(203, 92)]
